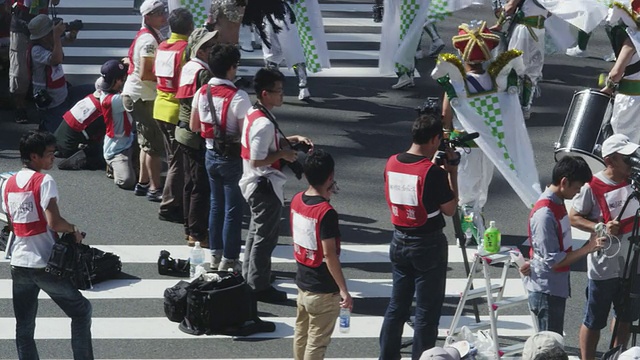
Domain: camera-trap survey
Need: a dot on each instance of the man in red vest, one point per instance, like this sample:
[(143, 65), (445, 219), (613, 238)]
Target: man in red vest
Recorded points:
[(418, 194), (551, 254), (30, 199), (262, 182), (21, 15), (139, 94), (170, 58), (597, 208), (322, 288), (196, 194)]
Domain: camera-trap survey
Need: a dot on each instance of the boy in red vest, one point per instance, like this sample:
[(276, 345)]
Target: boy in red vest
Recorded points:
[(550, 239), (30, 199), (600, 201), (119, 122), (322, 288)]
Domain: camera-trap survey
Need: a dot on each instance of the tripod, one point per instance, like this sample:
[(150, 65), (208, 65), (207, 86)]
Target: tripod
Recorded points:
[(630, 272)]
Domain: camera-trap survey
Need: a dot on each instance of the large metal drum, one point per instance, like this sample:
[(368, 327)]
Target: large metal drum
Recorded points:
[(586, 127)]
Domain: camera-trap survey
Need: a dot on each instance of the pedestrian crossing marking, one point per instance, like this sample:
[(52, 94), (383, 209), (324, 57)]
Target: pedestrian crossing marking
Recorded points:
[(161, 328), (358, 288)]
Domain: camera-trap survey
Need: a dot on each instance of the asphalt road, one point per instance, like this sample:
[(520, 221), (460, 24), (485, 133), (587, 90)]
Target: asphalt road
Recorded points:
[(361, 122)]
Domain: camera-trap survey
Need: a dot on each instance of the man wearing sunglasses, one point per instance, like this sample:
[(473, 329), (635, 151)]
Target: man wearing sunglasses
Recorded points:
[(598, 206)]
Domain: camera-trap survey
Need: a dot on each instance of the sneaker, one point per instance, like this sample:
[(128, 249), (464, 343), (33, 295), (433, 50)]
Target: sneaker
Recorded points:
[(576, 52), (436, 46), (216, 258), (21, 116), (271, 295), (154, 195), (610, 58), (234, 264), (140, 189), (403, 81), (304, 94), (526, 112)]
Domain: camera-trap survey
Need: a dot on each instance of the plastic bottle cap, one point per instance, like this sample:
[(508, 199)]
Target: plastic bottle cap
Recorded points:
[(197, 244), (492, 223)]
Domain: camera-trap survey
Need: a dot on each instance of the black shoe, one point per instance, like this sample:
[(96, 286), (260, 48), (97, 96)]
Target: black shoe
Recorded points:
[(271, 295), (171, 216)]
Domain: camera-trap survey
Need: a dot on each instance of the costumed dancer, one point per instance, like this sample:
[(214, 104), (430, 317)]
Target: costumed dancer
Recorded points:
[(624, 77), (305, 47), (401, 30), (486, 102)]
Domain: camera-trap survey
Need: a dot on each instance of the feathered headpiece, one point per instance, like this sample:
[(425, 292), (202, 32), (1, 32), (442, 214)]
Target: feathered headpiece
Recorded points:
[(475, 42)]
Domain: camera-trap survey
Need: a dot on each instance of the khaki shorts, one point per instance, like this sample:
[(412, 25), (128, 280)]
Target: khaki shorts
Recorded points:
[(18, 70), (150, 137)]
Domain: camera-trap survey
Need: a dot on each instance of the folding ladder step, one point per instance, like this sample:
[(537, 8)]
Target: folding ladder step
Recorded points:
[(482, 325), (511, 349), (510, 302), (480, 292)]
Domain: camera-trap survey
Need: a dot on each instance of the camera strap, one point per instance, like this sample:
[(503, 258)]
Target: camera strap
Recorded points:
[(269, 116), (212, 110)]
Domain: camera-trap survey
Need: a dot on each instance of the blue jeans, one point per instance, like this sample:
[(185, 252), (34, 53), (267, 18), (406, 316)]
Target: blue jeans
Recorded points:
[(549, 311), (419, 265), (225, 217), (27, 284)]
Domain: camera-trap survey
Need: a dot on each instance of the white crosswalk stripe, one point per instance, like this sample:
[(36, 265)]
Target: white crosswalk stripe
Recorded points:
[(349, 26)]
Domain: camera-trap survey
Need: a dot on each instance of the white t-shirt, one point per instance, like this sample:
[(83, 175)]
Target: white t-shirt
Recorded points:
[(145, 46), (240, 104), (261, 143), (611, 264), (33, 251)]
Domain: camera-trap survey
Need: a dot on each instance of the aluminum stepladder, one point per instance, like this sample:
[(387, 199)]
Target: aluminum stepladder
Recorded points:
[(494, 302)]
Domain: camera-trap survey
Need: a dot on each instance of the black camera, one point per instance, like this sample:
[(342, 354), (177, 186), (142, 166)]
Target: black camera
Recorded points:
[(296, 166), (42, 98), (170, 266), (75, 25), (64, 258)]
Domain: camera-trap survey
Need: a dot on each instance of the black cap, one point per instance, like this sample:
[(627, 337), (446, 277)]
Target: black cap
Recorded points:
[(111, 71)]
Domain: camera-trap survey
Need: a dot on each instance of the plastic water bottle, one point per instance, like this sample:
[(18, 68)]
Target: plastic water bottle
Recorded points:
[(345, 320), (196, 258), (492, 238)]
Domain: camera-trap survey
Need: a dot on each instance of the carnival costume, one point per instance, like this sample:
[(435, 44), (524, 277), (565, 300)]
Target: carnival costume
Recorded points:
[(302, 46), (627, 99), (494, 113)]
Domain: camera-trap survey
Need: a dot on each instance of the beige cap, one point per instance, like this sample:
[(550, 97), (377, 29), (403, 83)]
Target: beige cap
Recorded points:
[(40, 26)]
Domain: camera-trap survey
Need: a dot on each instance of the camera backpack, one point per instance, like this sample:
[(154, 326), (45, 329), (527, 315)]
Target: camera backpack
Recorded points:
[(222, 306), (81, 263)]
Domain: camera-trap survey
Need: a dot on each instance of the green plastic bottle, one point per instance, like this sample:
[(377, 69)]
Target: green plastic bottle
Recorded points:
[(492, 238)]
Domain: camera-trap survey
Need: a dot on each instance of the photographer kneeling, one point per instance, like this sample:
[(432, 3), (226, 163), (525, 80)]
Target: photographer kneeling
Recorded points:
[(262, 182), (418, 193), (52, 95)]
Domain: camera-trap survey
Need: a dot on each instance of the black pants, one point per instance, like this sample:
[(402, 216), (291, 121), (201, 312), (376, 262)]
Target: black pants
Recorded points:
[(196, 192)]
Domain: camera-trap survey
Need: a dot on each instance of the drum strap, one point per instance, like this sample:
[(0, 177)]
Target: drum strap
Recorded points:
[(476, 85), (632, 69)]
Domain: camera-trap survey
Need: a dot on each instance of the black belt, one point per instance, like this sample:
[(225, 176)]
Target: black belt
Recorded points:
[(416, 233)]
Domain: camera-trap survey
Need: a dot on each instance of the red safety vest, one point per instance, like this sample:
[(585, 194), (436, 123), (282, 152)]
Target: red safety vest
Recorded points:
[(25, 212), (54, 74), (142, 31), (168, 65), (189, 79), (83, 113), (559, 213), (404, 186), (226, 92), (305, 230), (107, 110), (245, 151), (612, 198)]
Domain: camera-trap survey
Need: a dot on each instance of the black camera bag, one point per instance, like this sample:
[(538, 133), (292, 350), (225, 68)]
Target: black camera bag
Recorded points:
[(175, 301), (224, 307)]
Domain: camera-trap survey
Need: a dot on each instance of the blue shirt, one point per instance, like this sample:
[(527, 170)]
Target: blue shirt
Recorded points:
[(546, 250), (119, 142)]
